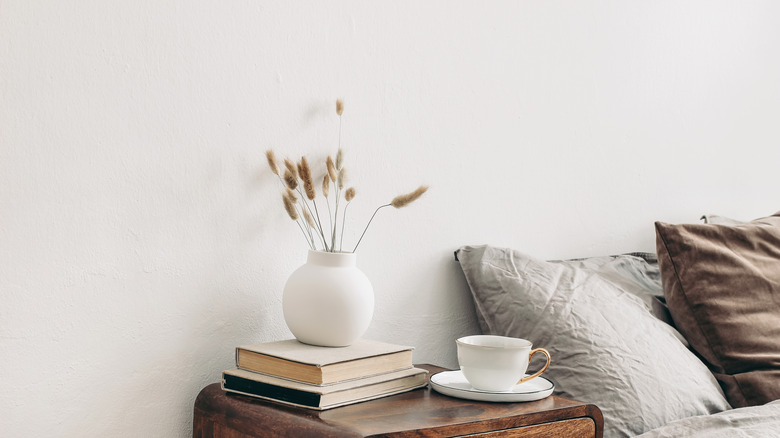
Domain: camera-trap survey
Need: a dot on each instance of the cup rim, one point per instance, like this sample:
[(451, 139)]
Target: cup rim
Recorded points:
[(520, 343)]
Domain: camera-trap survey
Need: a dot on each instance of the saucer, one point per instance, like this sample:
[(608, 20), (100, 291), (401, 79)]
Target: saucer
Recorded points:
[(454, 384)]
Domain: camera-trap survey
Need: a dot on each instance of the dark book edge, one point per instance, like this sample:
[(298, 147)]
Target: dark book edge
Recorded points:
[(239, 384), (336, 405)]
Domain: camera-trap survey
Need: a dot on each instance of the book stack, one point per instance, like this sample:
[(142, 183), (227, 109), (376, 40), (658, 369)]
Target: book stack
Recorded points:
[(321, 378)]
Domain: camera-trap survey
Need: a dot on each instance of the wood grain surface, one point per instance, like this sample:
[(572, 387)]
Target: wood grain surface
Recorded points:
[(418, 413)]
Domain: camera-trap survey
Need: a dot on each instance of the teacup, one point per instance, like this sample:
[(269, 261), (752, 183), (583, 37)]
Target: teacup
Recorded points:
[(496, 363)]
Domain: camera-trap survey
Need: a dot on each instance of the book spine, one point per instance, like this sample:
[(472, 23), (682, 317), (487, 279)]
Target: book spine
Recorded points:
[(246, 386)]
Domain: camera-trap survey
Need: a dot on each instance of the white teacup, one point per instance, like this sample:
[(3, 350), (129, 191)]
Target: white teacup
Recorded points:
[(496, 363)]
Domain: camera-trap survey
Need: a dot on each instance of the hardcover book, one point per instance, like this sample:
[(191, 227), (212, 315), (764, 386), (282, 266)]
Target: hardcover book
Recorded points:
[(294, 360), (322, 397)]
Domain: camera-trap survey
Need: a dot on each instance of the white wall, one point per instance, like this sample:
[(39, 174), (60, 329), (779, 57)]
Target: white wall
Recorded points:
[(142, 237)]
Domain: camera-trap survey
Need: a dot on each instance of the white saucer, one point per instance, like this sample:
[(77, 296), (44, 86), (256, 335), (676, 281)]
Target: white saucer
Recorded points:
[(454, 384)]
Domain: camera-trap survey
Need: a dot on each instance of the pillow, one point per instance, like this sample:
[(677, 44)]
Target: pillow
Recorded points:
[(720, 220), (606, 346), (637, 273), (722, 286)]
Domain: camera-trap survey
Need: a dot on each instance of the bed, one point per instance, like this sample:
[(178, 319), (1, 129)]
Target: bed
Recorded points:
[(681, 342)]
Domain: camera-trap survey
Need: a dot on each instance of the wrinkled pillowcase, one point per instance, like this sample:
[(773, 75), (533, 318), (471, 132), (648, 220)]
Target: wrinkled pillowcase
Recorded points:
[(636, 273), (722, 286), (606, 346)]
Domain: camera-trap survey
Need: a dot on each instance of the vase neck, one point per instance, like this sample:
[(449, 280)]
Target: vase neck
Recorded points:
[(335, 259)]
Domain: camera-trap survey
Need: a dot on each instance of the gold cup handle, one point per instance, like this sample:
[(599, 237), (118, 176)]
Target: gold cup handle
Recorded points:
[(538, 373)]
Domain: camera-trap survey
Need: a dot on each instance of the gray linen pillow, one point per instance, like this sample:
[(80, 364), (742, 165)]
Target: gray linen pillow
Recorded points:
[(607, 348), (719, 220)]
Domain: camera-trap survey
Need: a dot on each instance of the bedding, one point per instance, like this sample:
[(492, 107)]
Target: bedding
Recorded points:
[(722, 287), (595, 318), (610, 324), (751, 422)]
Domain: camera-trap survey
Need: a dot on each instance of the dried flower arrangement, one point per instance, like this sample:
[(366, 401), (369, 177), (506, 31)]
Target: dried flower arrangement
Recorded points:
[(300, 196)]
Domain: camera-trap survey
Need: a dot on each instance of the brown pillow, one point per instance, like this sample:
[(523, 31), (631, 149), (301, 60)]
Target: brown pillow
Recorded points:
[(722, 286)]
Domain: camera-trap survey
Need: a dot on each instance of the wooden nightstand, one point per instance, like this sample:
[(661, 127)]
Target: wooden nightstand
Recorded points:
[(419, 413)]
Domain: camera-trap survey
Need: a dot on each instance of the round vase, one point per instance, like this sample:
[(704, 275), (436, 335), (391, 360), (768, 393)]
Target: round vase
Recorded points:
[(328, 301)]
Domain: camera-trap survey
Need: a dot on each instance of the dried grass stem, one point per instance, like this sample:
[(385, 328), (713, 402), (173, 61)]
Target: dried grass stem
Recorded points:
[(404, 200)]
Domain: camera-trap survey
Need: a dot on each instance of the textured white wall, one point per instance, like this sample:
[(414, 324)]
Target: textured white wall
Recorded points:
[(142, 237)]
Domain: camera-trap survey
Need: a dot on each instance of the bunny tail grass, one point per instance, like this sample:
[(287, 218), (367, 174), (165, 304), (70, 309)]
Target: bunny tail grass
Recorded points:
[(309, 219), (342, 177), (289, 206), (404, 200), (308, 183), (332, 172), (291, 194), (326, 186), (269, 155), (290, 179), (291, 167)]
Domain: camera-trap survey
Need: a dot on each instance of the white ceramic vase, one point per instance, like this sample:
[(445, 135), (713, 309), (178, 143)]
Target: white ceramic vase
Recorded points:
[(328, 301)]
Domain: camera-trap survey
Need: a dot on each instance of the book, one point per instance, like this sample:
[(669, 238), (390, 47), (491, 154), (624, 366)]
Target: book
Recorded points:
[(322, 397), (294, 360)]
